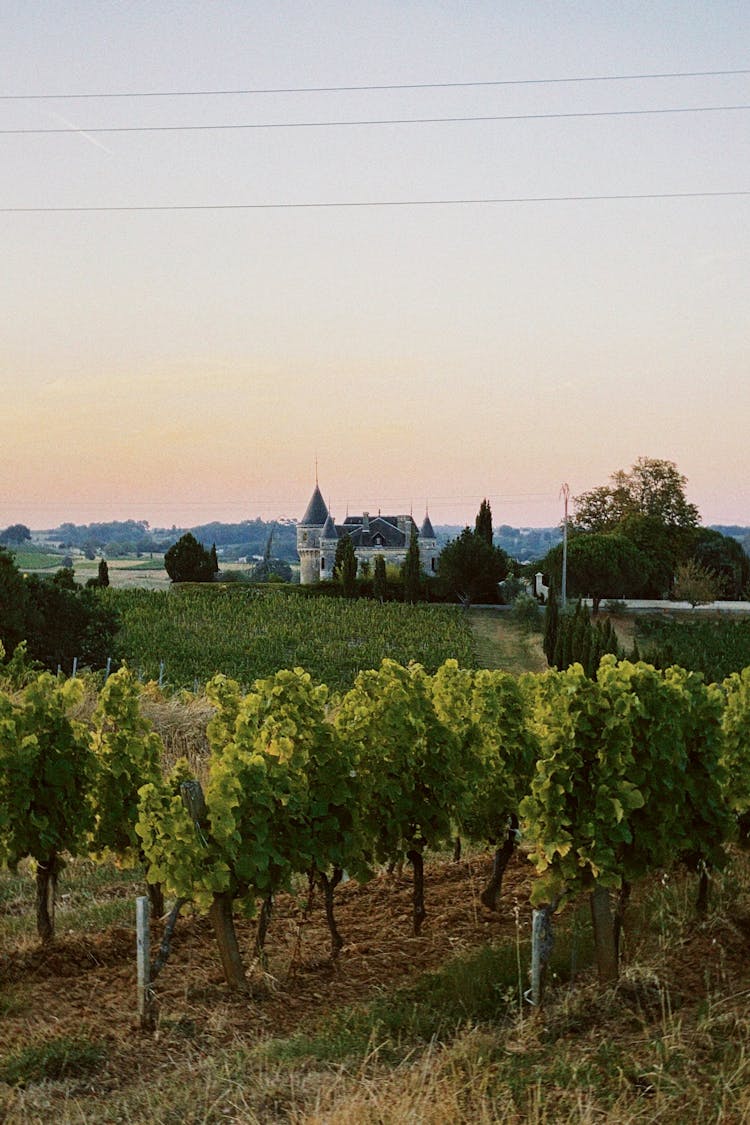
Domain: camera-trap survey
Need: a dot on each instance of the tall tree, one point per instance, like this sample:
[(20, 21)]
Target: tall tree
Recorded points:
[(103, 579), (411, 571), (16, 533), (471, 569), (551, 624), (651, 487), (345, 566), (379, 579), (600, 565), (483, 523), (187, 560)]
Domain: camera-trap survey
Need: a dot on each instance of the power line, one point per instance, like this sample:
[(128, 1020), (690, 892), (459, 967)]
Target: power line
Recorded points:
[(373, 87), (371, 121), (331, 204)]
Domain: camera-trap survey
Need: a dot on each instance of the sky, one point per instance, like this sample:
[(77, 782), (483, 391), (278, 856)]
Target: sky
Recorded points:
[(195, 362)]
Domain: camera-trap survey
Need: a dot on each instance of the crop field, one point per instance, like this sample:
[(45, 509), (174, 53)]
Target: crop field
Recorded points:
[(715, 647), (246, 635)]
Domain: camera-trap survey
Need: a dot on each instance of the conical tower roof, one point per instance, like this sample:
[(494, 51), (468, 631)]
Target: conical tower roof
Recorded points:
[(329, 530), (426, 531), (317, 512)]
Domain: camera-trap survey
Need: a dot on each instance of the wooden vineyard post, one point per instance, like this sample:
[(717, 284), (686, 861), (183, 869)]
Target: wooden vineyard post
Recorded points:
[(605, 941), (143, 935), (542, 940)]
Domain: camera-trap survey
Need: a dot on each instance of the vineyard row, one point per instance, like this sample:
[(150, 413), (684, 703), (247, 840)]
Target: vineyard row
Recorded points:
[(603, 779)]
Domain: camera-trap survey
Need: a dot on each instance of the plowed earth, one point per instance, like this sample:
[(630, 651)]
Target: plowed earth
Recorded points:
[(86, 986)]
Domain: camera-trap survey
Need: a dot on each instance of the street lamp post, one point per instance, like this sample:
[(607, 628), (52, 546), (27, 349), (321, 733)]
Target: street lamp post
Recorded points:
[(565, 493)]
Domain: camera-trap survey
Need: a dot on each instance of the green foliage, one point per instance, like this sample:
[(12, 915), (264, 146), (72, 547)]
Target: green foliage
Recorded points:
[(736, 741), (412, 570), (409, 762), (248, 634), (281, 797), (716, 647), (651, 487), (526, 613), (578, 640), (103, 574), (187, 560), (630, 776), (483, 523), (486, 710), (577, 815), (271, 570), (600, 565), (58, 619), (63, 1057), (46, 772), (471, 569), (724, 557), (14, 603), (128, 755), (551, 624), (345, 566), (695, 584), (379, 583), (15, 534)]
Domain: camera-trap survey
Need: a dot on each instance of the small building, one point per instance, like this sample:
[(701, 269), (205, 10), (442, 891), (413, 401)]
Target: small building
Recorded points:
[(318, 536)]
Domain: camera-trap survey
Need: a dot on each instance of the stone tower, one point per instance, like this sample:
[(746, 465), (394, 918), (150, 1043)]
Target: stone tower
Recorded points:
[(309, 530), (428, 548)]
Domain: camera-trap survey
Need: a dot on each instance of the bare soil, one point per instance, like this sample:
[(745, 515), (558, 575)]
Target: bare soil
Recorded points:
[(88, 984), (85, 986)]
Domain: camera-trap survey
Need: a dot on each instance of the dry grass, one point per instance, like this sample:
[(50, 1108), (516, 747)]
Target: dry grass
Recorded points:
[(501, 643), (670, 1043)]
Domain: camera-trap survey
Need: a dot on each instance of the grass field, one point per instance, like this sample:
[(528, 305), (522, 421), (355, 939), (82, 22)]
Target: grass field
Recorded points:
[(37, 560)]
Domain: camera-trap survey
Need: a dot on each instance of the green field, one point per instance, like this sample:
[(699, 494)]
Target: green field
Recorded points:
[(37, 560), (246, 634), (715, 647)]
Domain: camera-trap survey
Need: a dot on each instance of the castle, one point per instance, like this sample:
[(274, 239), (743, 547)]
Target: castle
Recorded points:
[(389, 536)]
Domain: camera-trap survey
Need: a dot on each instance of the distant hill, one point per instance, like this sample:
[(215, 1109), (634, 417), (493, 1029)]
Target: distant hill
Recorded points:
[(249, 538), (522, 543)]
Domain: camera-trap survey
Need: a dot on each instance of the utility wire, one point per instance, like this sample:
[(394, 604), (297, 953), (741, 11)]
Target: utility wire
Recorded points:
[(370, 88), (373, 121), (331, 204)]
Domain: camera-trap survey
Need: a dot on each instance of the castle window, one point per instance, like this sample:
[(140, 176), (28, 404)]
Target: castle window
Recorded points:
[(433, 564), (322, 564), (304, 536)]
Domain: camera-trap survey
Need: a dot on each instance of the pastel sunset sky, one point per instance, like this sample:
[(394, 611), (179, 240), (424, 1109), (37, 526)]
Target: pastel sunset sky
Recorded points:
[(181, 339)]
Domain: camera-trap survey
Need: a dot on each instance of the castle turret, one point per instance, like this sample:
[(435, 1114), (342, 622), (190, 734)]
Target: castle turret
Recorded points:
[(428, 549), (329, 538), (309, 530)]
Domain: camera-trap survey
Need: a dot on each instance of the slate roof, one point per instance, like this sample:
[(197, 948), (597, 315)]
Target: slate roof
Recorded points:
[(329, 529), (317, 511), (383, 531), (426, 531)]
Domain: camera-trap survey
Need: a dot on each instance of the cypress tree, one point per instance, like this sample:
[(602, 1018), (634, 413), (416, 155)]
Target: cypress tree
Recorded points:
[(103, 579), (412, 569), (551, 625), (214, 558), (379, 579), (345, 566), (483, 523)]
